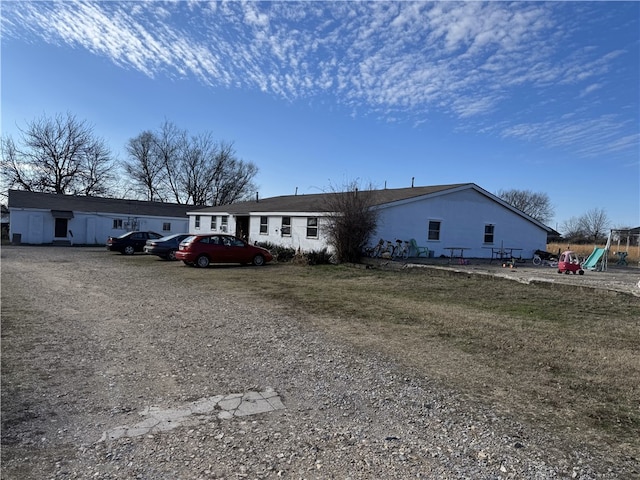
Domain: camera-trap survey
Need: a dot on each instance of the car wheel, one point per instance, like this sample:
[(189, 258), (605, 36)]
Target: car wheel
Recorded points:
[(202, 261), (258, 260), (129, 250), (171, 255)]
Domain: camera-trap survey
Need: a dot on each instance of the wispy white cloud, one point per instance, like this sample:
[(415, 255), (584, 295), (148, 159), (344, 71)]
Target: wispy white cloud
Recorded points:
[(588, 137), (464, 59)]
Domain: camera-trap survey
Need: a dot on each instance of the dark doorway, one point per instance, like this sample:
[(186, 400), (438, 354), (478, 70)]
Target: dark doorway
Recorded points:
[(61, 228), (242, 227)]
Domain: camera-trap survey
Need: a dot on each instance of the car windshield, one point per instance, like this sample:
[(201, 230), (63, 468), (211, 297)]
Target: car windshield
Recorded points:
[(125, 235), (188, 239)]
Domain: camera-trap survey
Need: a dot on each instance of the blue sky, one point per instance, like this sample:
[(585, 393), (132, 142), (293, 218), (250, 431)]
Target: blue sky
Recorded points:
[(532, 96)]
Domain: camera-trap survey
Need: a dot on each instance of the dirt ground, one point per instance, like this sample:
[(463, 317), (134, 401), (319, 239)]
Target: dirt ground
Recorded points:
[(91, 340)]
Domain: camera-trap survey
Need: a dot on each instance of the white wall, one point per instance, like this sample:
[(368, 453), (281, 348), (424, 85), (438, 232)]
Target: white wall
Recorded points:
[(205, 224), (297, 240), (37, 226), (463, 216)]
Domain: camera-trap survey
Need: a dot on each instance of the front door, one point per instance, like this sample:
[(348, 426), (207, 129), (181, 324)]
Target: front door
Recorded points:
[(61, 228), (242, 227)]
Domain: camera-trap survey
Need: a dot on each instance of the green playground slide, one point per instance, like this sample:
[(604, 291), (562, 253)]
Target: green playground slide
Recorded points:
[(594, 258)]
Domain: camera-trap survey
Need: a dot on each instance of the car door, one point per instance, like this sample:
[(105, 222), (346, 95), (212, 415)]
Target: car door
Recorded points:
[(234, 250), (212, 247), (138, 240)]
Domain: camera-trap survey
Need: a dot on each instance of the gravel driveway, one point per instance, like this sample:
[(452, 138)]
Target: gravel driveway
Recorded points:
[(93, 341)]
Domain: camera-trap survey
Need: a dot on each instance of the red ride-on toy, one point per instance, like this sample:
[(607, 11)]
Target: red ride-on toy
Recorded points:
[(569, 263)]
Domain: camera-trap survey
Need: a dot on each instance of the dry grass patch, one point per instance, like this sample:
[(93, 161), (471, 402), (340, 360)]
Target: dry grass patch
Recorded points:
[(633, 257), (570, 366)]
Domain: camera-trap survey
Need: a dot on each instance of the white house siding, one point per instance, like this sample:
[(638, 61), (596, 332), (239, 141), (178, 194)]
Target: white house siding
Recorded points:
[(463, 216), (297, 240), (37, 226)]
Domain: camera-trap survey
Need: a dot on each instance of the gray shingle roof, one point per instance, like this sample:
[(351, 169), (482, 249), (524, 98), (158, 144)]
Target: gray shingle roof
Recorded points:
[(52, 201), (318, 202)]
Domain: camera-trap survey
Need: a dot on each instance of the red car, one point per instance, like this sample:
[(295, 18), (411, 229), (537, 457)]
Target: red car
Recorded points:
[(201, 250)]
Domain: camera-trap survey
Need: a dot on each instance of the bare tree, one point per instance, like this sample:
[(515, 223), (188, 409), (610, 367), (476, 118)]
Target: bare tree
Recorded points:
[(572, 230), (594, 223), (211, 174), (170, 149), (98, 176), (589, 227), (198, 169), (536, 205), (144, 167), (191, 170), (57, 155), (352, 221), (233, 178)]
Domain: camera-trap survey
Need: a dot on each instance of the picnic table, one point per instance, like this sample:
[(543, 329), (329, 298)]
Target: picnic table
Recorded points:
[(454, 250), (503, 253)]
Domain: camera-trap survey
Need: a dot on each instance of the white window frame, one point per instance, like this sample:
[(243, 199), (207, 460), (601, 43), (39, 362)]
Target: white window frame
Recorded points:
[(311, 227), (436, 231), (285, 228), (264, 225), (492, 227)]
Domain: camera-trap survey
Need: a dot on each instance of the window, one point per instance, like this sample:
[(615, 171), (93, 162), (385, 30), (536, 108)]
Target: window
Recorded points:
[(166, 227), (488, 233), (285, 229), (117, 223), (212, 240), (434, 230), (197, 221), (224, 223), (214, 223), (264, 225), (312, 227)]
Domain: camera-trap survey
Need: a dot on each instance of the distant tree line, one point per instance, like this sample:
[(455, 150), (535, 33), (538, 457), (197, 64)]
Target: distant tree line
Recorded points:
[(62, 154), (591, 227)]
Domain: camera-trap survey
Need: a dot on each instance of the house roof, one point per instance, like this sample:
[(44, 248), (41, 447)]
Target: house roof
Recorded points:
[(317, 202), (52, 201)]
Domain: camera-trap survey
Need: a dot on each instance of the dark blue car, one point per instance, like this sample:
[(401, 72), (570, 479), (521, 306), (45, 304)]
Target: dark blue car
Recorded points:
[(165, 247), (130, 242)]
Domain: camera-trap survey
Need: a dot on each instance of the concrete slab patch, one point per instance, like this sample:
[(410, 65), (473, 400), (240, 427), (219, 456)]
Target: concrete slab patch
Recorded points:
[(222, 406)]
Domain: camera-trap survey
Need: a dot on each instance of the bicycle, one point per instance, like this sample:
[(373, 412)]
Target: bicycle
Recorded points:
[(538, 260), (540, 257), (401, 250)]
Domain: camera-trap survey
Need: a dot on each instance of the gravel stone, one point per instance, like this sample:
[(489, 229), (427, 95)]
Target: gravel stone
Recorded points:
[(117, 339)]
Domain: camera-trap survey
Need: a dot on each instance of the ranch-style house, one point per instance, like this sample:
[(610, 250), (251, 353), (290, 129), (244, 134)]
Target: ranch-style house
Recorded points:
[(459, 219)]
